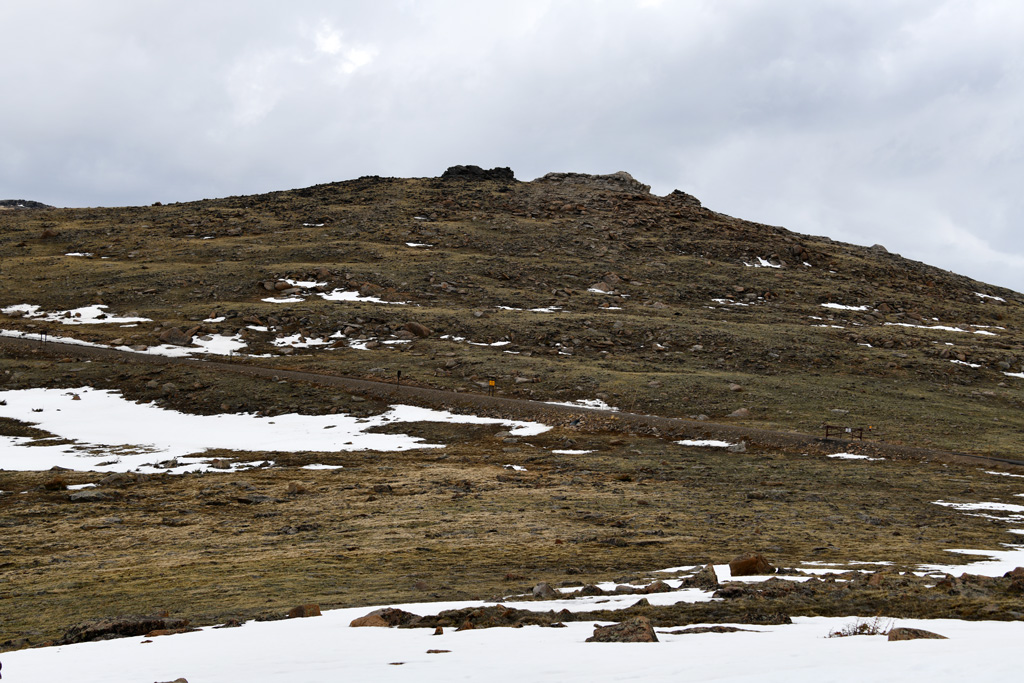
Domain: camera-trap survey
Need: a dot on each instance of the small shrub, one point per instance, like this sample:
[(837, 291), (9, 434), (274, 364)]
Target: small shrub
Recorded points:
[(863, 627), (57, 483)]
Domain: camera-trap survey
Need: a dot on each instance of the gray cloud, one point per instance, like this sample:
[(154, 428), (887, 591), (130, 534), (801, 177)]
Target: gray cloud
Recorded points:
[(891, 122)]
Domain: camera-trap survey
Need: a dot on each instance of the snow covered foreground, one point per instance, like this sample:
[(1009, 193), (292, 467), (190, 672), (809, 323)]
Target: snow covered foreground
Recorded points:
[(325, 649)]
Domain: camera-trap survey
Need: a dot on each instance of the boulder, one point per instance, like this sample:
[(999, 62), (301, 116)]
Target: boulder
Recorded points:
[(913, 634), (88, 496), (504, 174), (655, 587), (310, 610), (750, 564), (705, 579), (741, 413), (387, 616), (418, 329), (635, 630), (544, 592), (175, 336), (369, 620)]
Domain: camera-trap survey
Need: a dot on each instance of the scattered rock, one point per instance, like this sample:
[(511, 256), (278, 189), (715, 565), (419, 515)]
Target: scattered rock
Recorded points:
[(750, 564), (741, 413), (740, 447), (302, 611), (175, 336), (120, 627), (369, 620), (88, 496), (387, 616), (418, 329), (476, 173), (620, 181), (544, 592), (708, 629), (705, 579), (635, 630), (123, 479), (658, 586), (903, 633)]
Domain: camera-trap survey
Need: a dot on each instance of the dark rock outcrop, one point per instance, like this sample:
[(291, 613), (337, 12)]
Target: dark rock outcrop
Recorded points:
[(121, 627), (620, 181), (22, 204), (635, 630), (503, 174), (750, 564), (913, 634)]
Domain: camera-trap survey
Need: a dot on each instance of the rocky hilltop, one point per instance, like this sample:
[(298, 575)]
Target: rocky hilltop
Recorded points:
[(22, 204)]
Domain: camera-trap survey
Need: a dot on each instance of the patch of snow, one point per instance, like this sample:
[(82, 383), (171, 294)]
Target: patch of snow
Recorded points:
[(704, 443), (323, 467), (851, 456), (86, 315), (213, 344), (78, 253), (306, 284), (997, 507), (548, 309), (570, 451), (297, 341), (516, 468), (285, 300), (989, 296), (219, 319), (112, 434), (1018, 375), (843, 307), (970, 365), (341, 295), (79, 487), (418, 244), (312, 225), (761, 263), (928, 327), (595, 403), (1004, 474)]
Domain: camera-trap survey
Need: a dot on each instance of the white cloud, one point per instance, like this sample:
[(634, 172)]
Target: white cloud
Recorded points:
[(328, 41), (831, 117)]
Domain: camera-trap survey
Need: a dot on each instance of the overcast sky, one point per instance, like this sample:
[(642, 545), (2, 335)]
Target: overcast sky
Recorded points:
[(891, 122)]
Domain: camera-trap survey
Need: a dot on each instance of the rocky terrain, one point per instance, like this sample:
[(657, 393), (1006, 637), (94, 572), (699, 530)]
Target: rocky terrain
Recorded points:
[(570, 287)]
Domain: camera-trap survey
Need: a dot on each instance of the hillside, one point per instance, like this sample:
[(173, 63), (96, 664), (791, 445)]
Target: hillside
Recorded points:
[(333, 440), (597, 289)]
